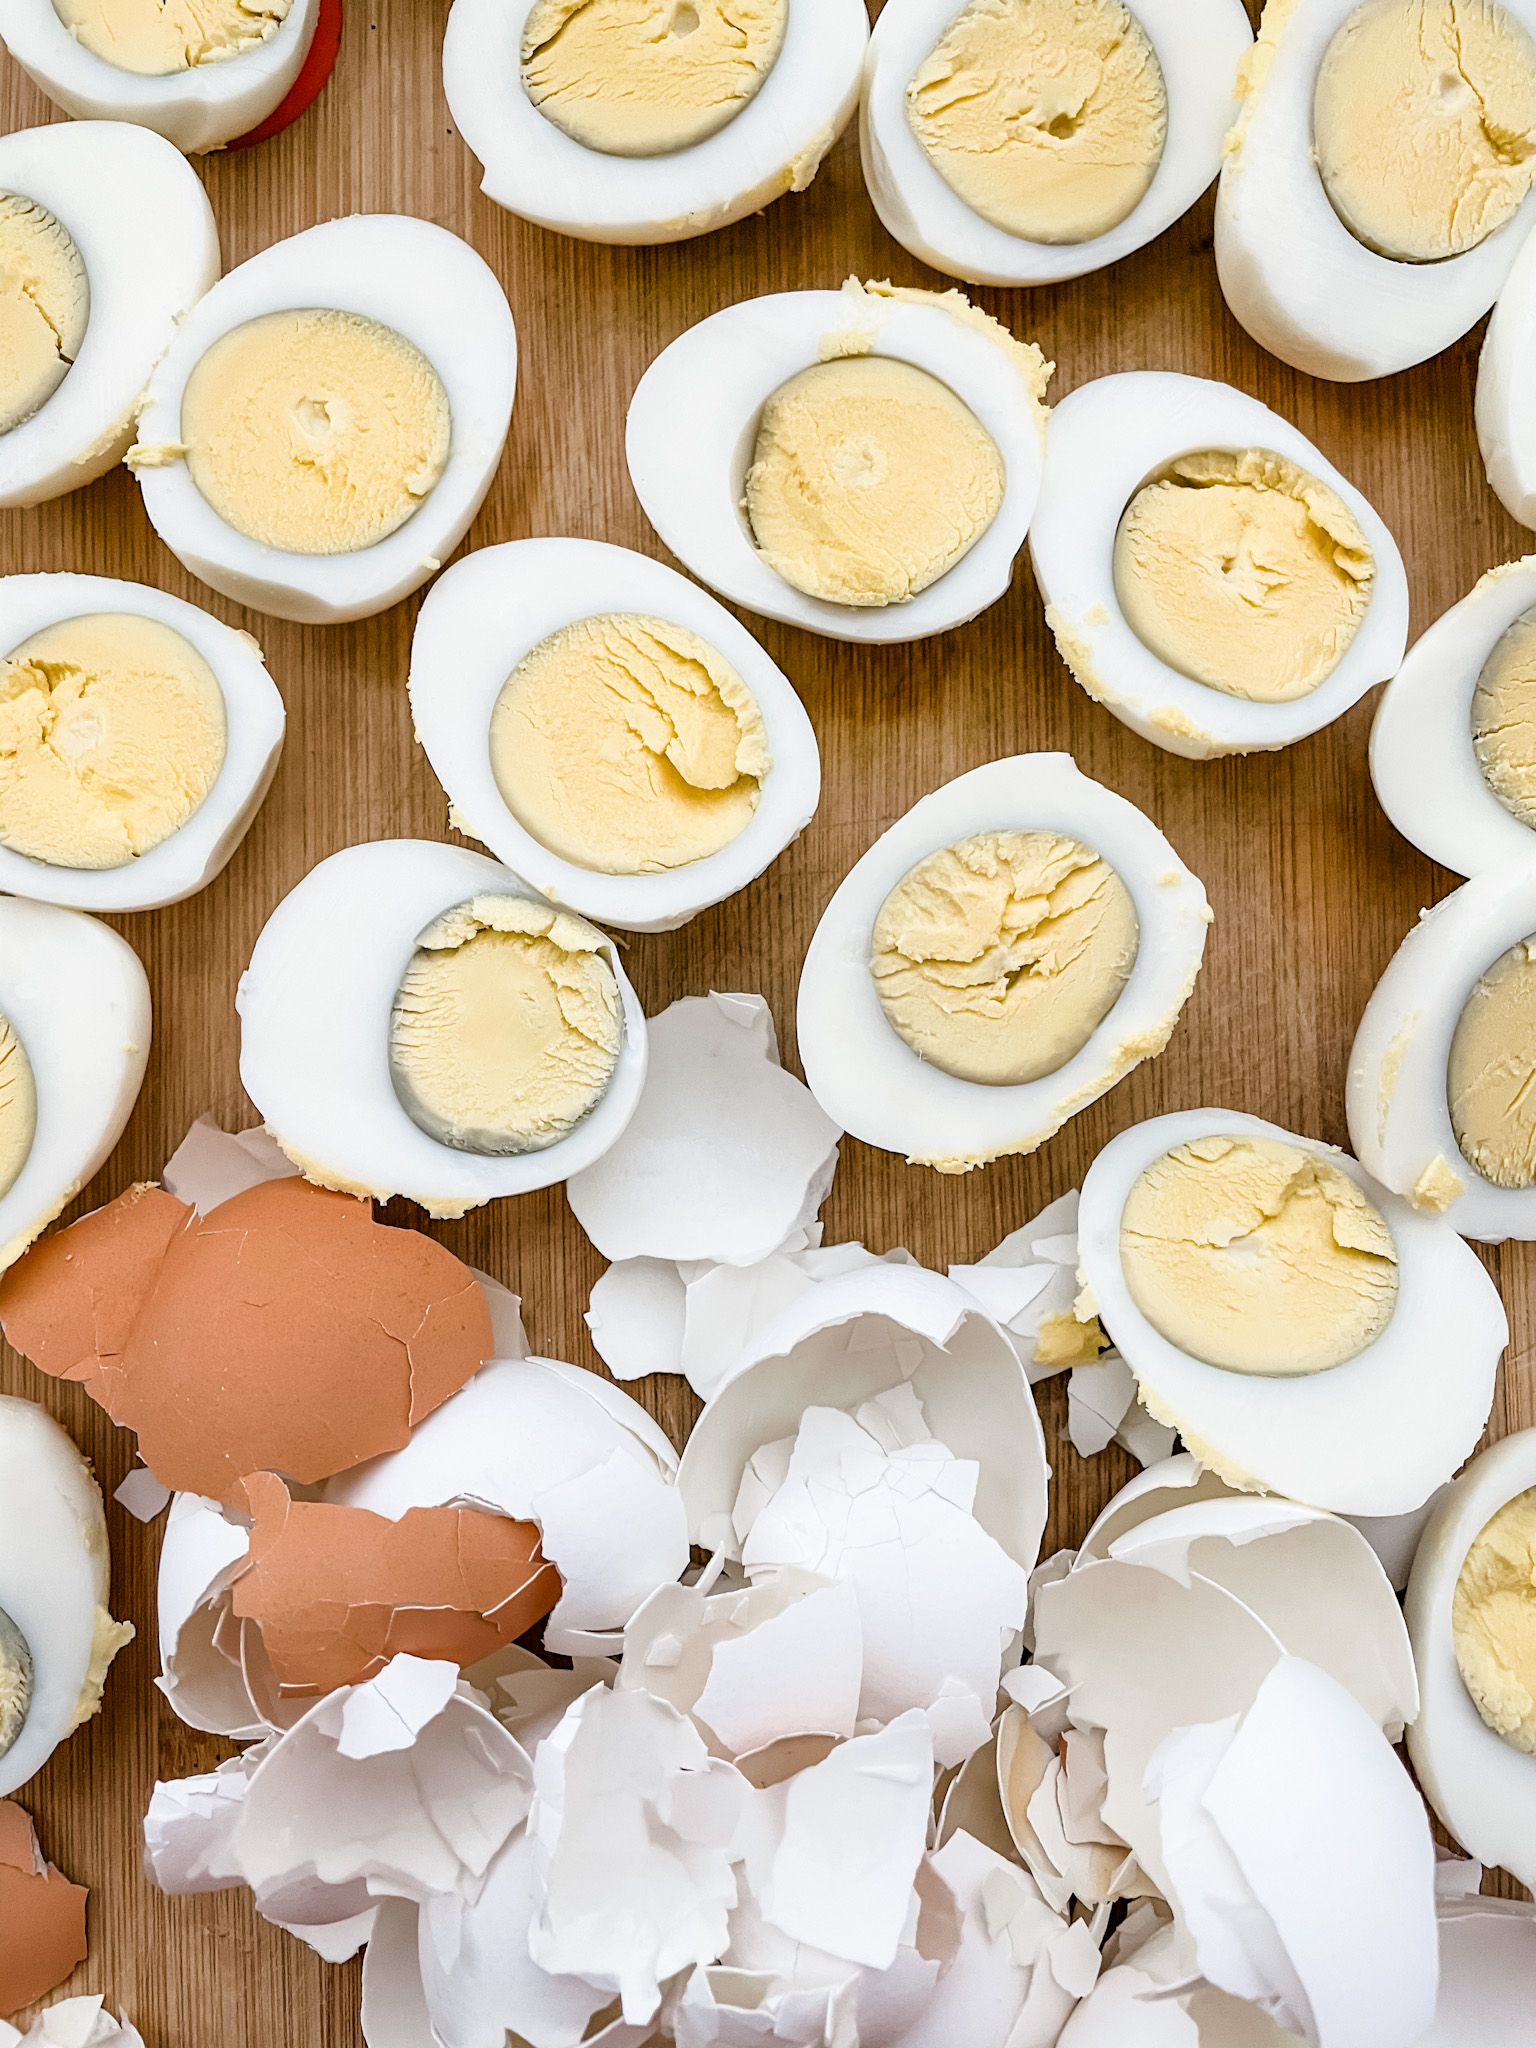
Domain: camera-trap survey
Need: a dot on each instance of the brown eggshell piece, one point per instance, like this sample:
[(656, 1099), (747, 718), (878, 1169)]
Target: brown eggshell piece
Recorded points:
[(42, 1916)]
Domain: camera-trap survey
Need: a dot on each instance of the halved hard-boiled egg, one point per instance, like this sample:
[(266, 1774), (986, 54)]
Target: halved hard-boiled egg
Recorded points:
[(863, 463), (74, 1040), (1210, 578), (1506, 419), (417, 1021), (327, 422), (650, 120), (138, 737), (1018, 142), (1377, 183), (608, 730), (1305, 1330), (107, 241), (999, 958)]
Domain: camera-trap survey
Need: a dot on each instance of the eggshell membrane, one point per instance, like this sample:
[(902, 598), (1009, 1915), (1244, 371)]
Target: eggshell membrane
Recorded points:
[(869, 1079), (1506, 420), (409, 275), (1106, 439), (1482, 1787), (198, 109), (315, 1007), (693, 425), (254, 724), (203, 1551), (1374, 1436), (77, 998), (136, 211), (1198, 48), (1291, 272), (490, 610), (533, 168), (1487, 1975), (76, 2023), (42, 1915)]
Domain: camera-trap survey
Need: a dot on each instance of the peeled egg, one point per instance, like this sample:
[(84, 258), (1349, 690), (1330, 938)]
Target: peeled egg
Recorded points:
[(1295, 651), (323, 1060), (1094, 127), (1105, 970), (650, 124), (1414, 1322), (873, 484), (116, 224), (400, 372), (645, 819), (119, 745), (1506, 418)]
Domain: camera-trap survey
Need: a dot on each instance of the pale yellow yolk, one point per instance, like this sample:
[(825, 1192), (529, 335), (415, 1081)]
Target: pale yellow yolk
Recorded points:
[(45, 303), (1257, 1256), (111, 734), (318, 432), (15, 1681), (870, 479), (1493, 1622), (1504, 719), (506, 1028), (628, 745), (18, 1107), (156, 37), (1490, 1078), (997, 959), (1424, 124), (1244, 573), (107, 1638), (1047, 117), (647, 77)]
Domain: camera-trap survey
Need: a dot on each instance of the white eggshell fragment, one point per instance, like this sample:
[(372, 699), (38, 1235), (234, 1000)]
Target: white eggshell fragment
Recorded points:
[(1106, 439), (490, 610), (82, 2022), (410, 276), (1487, 1975), (204, 1551), (137, 213), (1506, 419)]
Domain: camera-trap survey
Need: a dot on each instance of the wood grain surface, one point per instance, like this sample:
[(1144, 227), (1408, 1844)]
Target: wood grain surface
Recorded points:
[(1312, 888)]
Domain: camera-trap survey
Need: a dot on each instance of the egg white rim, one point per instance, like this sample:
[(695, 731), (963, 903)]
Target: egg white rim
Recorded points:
[(1199, 62), (535, 169), (865, 1075), (78, 999), (1506, 419), (494, 607), (1105, 439), (368, 264), (314, 1006), (698, 454), (1238, 1423)]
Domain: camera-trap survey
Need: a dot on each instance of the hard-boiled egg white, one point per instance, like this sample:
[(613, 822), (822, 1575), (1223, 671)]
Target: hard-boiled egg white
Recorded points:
[(315, 1006), (139, 218), (775, 144), (1106, 440), (76, 998), (494, 607), (866, 1076), (693, 425), (1198, 47), (254, 721), (426, 286), (1372, 1436), (1506, 415)]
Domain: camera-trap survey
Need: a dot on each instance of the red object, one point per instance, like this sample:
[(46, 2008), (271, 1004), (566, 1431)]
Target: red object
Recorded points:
[(309, 84)]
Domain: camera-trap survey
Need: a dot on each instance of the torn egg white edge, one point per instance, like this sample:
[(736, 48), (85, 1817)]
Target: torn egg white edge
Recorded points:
[(1506, 420)]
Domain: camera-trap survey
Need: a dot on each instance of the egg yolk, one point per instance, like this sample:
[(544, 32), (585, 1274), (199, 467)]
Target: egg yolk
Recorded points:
[(506, 1027), (647, 77), (996, 959), (1257, 1256), (18, 1107), (156, 37), (1047, 117), (1491, 1073), (628, 745), (112, 733), (1424, 124), (1244, 573), (869, 481), (318, 432), (45, 303), (1493, 1622), (16, 1679), (1504, 719)]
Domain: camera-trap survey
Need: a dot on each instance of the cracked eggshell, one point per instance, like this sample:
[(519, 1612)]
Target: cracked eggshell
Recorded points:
[(1106, 439), (42, 1917), (254, 720), (693, 425), (867, 1077), (410, 275), (1487, 1975), (315, 1008), (1506, 420), (1372, 1437), (203, 1552), (74, 2023), (490, 610), (136, 211)]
